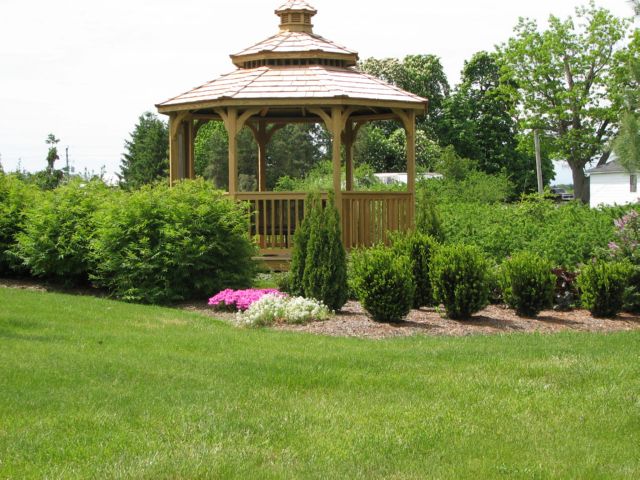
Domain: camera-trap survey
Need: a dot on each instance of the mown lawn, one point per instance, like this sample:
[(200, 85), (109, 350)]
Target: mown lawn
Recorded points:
[(92, 388)]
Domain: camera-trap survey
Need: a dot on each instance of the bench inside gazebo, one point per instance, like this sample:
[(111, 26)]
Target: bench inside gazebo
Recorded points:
[(297, 76)]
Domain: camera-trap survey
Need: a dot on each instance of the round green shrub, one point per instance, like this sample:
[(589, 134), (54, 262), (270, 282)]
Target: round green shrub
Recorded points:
[(459, 278), (527, 283), (15, 197), (602, 287), (58, 229), (161, 244), (419, 248), (383, 282)]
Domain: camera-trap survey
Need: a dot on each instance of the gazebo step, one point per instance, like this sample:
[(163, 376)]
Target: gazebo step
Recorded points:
[(277, 263)]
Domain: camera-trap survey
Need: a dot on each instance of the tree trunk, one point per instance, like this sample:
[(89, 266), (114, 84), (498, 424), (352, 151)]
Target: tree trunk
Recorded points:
[(580, 184)]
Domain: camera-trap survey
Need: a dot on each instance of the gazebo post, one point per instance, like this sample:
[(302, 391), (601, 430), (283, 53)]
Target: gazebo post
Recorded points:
[(191, 156), (231, 122), (408, 119), (173, 150), (337, 126), (348, 159), (179, 150), (261, 140), (411, 163)]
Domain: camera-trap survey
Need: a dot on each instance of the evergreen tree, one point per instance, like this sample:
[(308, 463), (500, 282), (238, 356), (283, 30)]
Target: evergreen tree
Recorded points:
[(300, 242), (325, 270), (147, 153)]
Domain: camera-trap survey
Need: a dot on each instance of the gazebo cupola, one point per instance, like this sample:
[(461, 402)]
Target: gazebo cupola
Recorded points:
[(295, 16), (295, 43), (297, 76)]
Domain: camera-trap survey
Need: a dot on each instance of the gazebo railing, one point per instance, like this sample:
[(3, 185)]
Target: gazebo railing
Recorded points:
[(367, 217)]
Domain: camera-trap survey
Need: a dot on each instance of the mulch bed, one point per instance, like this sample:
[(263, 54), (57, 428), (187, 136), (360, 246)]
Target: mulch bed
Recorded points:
[(353, 321)]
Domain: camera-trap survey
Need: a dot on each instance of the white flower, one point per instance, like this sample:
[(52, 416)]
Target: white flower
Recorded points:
[(278, 308)]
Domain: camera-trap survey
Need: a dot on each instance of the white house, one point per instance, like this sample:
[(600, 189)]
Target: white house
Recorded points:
[(611, 184)]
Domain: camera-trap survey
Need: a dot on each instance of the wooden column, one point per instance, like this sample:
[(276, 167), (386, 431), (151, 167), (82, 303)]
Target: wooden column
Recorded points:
[(232, 131), (191, 156), (173, 149), (349, 138), (411, 164), (337, 125), (408, 119), (262, 142)]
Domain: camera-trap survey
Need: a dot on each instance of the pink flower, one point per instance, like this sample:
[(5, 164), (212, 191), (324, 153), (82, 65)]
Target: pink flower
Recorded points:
[(239, 299)]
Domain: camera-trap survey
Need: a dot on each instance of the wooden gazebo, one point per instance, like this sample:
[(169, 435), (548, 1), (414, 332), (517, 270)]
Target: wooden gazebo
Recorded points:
[(298, 76)]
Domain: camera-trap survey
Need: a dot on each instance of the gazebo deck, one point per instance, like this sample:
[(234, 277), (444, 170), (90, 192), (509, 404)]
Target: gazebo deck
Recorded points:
[(367, 217)]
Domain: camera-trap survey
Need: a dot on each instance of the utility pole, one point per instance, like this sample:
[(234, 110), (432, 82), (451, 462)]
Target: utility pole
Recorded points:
[(536, 140), (66, 153)]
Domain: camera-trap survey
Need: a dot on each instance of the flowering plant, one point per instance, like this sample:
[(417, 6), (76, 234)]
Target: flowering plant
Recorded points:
[(272, 308), (628, 237), (234, 300)]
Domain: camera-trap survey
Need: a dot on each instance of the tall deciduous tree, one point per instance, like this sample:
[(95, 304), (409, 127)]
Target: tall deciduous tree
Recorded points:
[(381, 143), (479, 122), (627, 143), (566, 79), (422, 75), (147, 153)]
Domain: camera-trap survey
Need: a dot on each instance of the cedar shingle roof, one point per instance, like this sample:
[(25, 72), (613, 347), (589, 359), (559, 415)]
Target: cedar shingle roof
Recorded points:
[(295, 5), (300, 82), (295, 64), (288, 42)]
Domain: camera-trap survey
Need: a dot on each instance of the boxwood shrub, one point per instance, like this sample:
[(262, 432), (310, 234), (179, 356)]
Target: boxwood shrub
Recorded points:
[(602, 287), (383, 282), (527, 283), (161, 244), (459, 278)]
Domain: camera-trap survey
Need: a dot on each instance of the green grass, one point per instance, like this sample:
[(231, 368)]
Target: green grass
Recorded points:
[(91, 388)]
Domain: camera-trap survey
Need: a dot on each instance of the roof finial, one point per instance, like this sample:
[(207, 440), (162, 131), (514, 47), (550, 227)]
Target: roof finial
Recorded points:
[(295, 16)]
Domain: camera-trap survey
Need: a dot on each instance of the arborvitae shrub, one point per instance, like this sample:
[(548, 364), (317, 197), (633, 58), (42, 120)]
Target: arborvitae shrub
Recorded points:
[(527, 283), (58, 229), (459, 278), (300, 241), (602, 287), (15, 197), (419, 248), (383, 283), (325, 269), (161, 244)]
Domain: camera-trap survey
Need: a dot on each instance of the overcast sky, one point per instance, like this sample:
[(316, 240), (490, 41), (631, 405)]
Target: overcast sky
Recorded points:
[(85, 70)]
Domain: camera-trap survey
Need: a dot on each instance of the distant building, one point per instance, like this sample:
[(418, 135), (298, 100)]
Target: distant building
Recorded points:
[(611, 184), (391, 178)]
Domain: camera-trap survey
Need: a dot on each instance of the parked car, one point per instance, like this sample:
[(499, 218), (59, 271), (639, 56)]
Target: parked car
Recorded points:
[(560, 194)]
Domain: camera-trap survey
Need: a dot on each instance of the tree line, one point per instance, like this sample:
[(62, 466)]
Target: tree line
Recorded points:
[(576, 82)]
